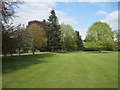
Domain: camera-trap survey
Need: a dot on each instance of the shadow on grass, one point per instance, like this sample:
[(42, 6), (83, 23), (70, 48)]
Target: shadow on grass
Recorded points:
[(11, 64)]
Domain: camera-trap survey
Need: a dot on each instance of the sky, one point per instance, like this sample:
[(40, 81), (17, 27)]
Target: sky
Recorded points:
[(80, 15)]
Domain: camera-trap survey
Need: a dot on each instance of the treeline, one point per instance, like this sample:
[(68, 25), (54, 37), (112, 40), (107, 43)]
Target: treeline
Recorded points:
[(55, 37)]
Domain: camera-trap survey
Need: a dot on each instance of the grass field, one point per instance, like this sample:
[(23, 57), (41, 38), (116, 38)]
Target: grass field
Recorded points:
[(61, 70)]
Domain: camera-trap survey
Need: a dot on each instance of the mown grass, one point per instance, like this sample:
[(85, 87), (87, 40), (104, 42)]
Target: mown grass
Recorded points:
[(61, 70)]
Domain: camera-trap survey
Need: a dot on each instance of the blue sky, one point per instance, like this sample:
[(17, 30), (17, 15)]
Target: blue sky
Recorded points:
[(80, 15)]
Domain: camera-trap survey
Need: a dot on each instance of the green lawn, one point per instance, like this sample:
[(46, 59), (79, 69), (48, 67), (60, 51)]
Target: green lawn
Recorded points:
[(61, 70)]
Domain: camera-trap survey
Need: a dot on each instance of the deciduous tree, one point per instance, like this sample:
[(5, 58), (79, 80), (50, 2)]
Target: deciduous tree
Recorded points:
[(68, 38), (37, 37), (7, 14), (117, 40), (100, 36), (22, 37)]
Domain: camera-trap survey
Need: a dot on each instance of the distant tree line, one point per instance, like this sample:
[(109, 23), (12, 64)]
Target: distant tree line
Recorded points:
[(21, 39), (55, 37)]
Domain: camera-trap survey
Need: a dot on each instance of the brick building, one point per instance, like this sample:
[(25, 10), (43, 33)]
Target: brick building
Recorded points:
[(39, 23)]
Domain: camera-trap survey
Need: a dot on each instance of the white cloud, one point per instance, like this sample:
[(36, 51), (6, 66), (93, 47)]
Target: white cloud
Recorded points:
[(112, 19), (39, 11), (67, 19), (83, 32), (33, 11), (101, 12)]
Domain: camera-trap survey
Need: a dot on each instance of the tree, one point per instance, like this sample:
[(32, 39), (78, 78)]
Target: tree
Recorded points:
[(22, 38), (99, 36), (7, 15), (37, 37), (53, 33), (68, 38), (9, 43), (7, 8), (79, 41), (117, 40)]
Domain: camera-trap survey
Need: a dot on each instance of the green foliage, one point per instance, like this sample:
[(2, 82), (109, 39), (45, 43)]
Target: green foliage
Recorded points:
[(37, 37), (117, 40), (79, 41), (9, 40), (23, 39), (68, 38), (7, 14), (99, 37), (53, 33)]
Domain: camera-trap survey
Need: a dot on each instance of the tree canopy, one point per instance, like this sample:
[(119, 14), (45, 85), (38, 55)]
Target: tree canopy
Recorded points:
[(99, 36), (79, 41), (37, 37), (117, 40), (7, 15), (68, 38), (55, 37), (53, 32)]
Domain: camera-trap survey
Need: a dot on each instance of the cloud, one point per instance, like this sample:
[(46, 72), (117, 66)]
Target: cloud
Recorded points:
[(101, 12), (33, 11), (39, 11), (83, 32), (112, 19), (67, 19)]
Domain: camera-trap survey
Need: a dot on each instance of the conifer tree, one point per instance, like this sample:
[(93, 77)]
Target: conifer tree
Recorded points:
[(53, 33), (79, 41)]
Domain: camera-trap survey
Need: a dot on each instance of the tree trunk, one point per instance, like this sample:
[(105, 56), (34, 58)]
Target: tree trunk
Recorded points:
[(99, 51), (33, 52), (19, 51), (33, 49), (5, 54), (11, 54)]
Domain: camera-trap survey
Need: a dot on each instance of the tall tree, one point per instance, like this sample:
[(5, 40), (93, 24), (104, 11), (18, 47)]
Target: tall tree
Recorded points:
[(53, 33), (7, 15), (100, 36), (22, 38), (37, 37), (79, 41), (68, 38), (9, 43), (117, 40), (7, 8)]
